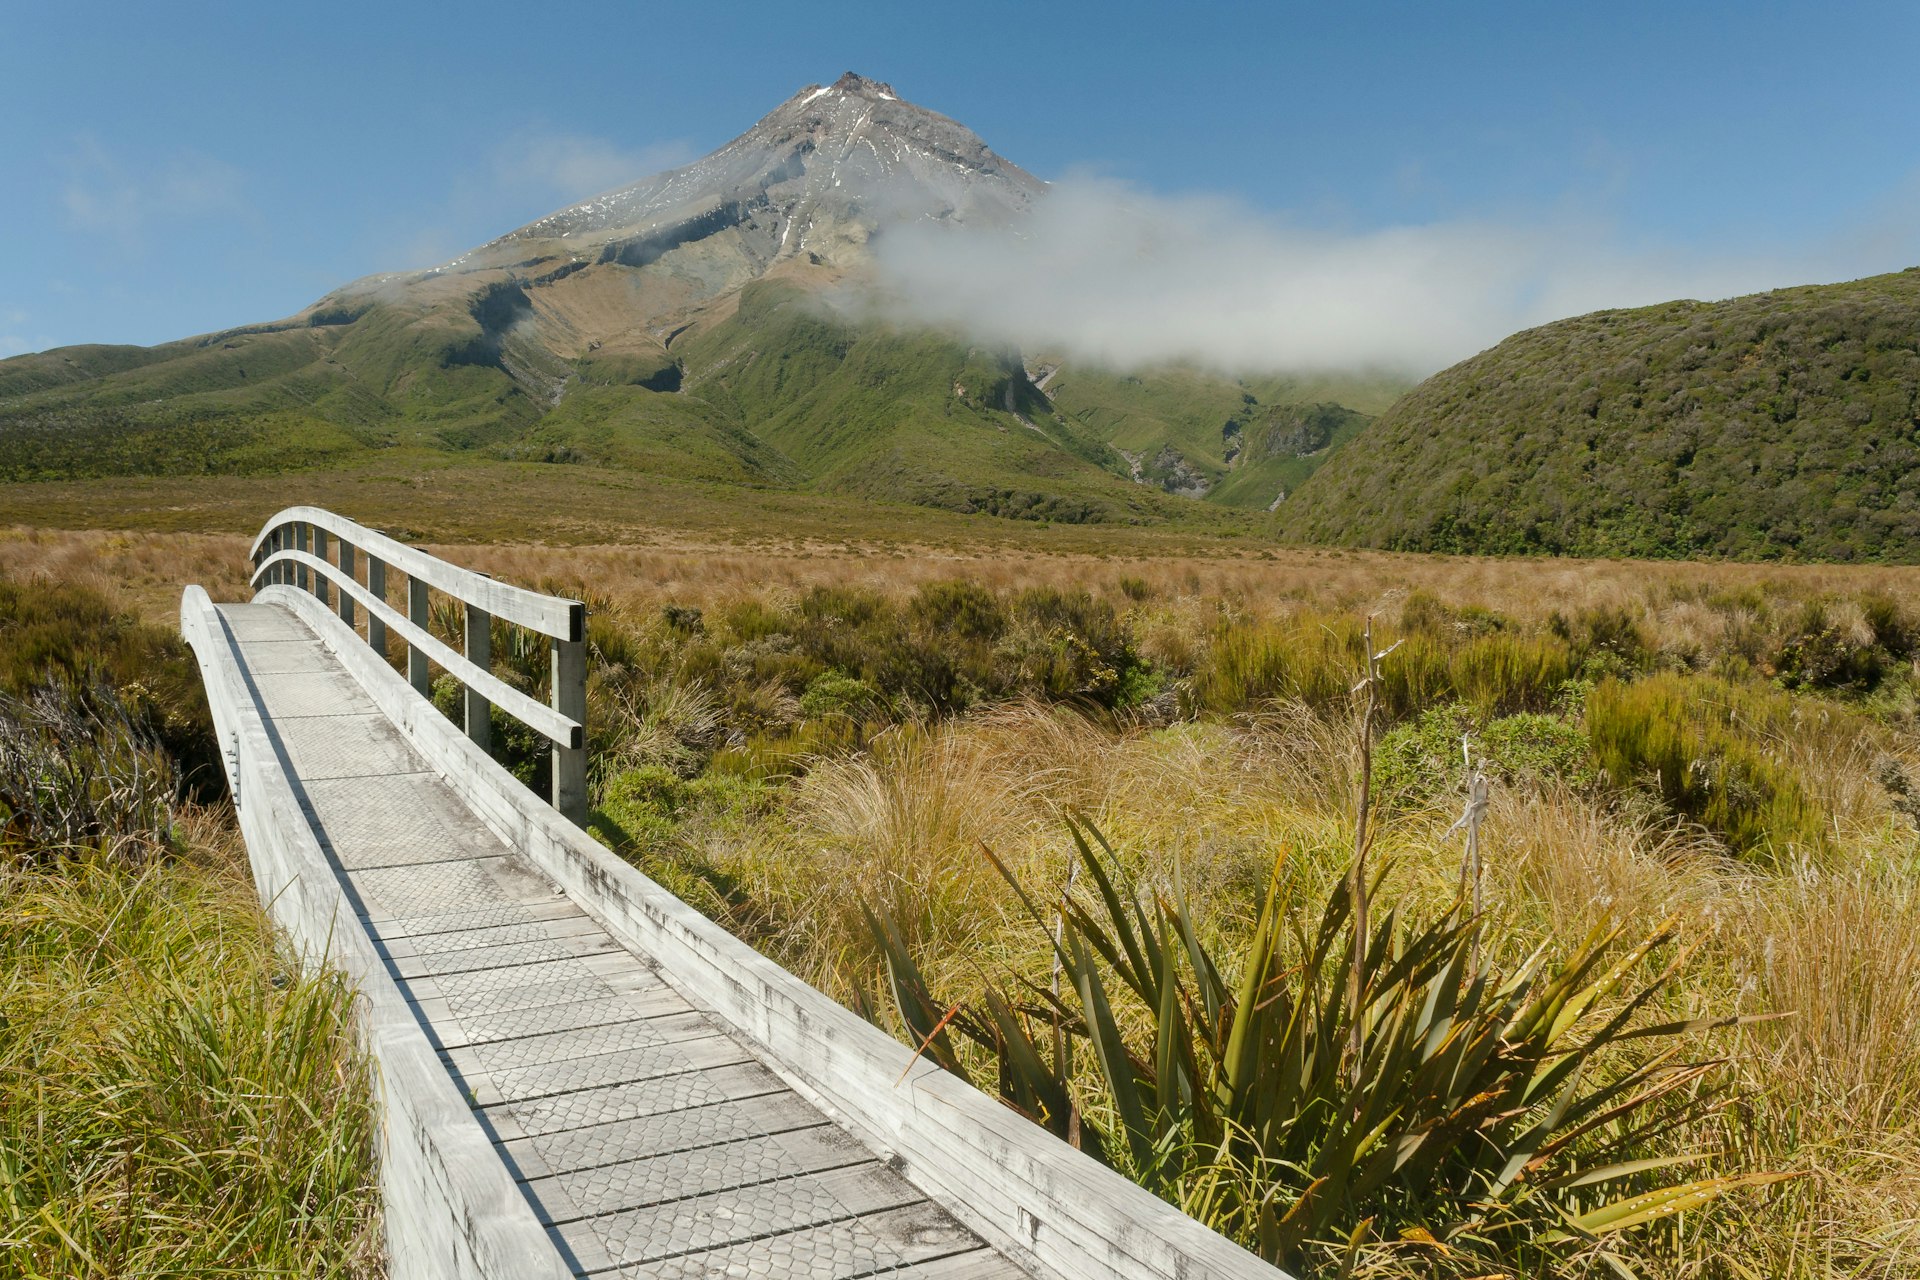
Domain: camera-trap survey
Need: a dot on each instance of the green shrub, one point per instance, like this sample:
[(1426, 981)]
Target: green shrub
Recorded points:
[(1533, 748), (765, 757), (1423, 761), (1701, 743), (1610, 631), (752, 619), (1420, 761), (1819, 653), (832, 693), (963, 611)]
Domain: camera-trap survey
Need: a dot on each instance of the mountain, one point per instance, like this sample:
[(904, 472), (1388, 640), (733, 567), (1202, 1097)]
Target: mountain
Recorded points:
[(686, 325), (1781, 425)]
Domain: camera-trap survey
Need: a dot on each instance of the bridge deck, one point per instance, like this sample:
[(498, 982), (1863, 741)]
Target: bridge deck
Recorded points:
[(649, 1139)]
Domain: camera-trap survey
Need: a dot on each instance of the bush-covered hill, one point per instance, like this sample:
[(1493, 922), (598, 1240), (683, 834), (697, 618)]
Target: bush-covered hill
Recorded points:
[(771, 388), (1782, 425)]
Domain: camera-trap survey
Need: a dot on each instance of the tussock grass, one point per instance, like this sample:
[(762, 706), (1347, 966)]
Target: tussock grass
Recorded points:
[(176, 1097)]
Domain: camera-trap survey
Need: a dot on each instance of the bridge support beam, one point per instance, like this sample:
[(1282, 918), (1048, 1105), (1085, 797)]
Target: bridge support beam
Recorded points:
[(321, 587), (480, 653), (416, 657), (347, 567), (570, 700), (377, 588)]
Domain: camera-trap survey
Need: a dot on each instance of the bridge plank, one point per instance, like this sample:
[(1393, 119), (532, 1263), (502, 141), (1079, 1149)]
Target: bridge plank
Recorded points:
[(331, 747), (396, 821), (591, 1011), (913, 1241), (741, 1163), (477, 918), (635, 1100), (761, 1106), (283, 657), (311, 693), (778, 1208)]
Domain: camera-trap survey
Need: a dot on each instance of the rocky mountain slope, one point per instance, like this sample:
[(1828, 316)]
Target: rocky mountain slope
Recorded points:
[(1785, 424), (681, 325)]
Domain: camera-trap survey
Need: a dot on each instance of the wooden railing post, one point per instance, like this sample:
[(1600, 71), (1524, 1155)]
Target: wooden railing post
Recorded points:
[(570, 700), (480, 653), (321, 587), (417, 615), (347, 567), (300, 544), (377, 588)]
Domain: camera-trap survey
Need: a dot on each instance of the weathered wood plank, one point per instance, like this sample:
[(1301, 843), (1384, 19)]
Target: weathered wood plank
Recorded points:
[(897, 1242), (773, 1109), (636, 1100), (704, 1223), (738, 1165)]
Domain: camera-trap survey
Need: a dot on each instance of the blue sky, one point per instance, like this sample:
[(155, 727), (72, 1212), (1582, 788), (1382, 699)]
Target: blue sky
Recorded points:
[(176, 169)]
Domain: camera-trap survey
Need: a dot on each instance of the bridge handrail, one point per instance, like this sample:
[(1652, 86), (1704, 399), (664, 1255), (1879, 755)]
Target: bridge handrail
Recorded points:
[(292, 550), (552, 616)]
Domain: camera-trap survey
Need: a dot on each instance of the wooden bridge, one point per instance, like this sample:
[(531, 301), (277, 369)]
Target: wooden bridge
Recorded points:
[(577, 1073)]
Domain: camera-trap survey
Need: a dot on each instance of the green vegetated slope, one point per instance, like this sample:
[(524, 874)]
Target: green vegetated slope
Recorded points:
[(1781, 425), (295, 395), (777, 391), (1239, 442)]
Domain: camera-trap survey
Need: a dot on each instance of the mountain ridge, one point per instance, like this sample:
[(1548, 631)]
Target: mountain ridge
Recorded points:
[(622, 331)]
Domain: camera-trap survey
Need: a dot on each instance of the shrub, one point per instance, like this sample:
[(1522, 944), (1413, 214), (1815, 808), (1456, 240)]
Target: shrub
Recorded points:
[(832, 693), (1312, 658), (1821, 652), (79, 774), (1424, 761), (1611, 634), (1701, 744), (69, 635), (1534, 748), (964, 611)]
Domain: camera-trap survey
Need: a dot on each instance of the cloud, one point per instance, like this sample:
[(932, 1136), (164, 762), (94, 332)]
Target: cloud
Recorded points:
[(1109, 273), (107, 194), (567, 167)]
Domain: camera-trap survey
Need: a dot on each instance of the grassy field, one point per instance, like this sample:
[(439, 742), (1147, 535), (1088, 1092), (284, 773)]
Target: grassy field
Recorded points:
[(799, 730), (176, 1097)]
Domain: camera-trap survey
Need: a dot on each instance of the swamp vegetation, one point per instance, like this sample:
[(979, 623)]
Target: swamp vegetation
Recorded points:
[(1085, 829)]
